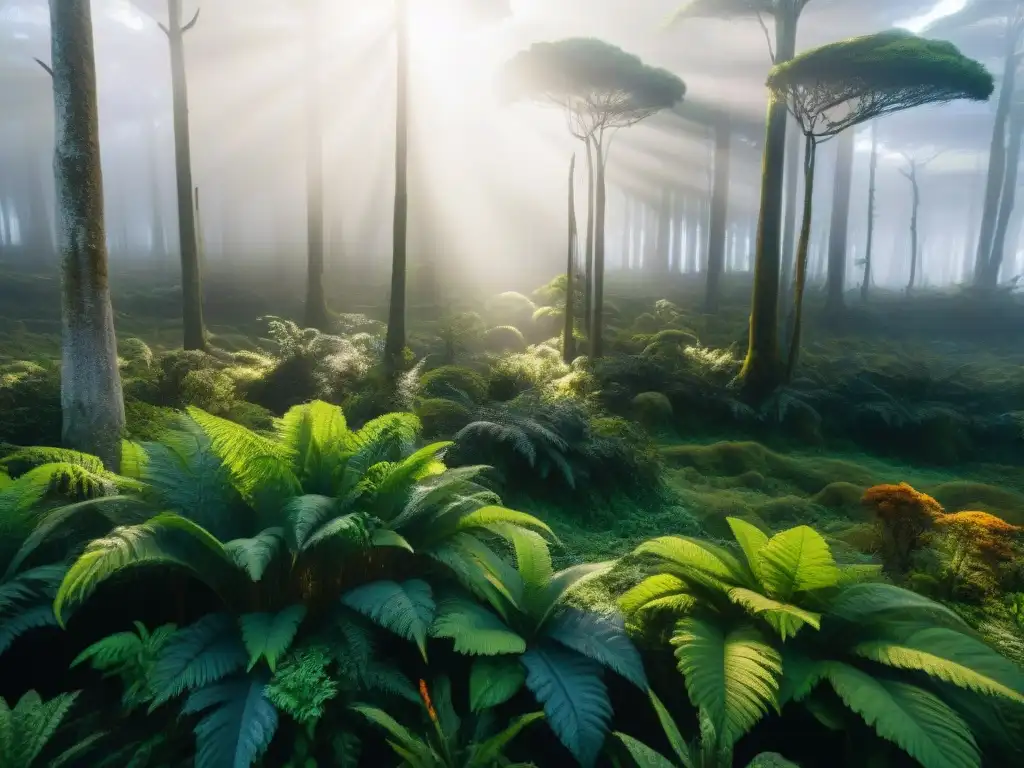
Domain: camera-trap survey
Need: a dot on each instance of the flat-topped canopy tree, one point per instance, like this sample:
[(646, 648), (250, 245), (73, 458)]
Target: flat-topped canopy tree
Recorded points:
[(601, 88), (843, 84), (760, 373)]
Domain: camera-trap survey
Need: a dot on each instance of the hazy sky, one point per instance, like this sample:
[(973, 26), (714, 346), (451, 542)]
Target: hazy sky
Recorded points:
[(479, 169)]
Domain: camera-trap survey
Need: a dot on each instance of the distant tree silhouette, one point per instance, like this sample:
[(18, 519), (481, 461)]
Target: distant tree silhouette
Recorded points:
[(601, 88)]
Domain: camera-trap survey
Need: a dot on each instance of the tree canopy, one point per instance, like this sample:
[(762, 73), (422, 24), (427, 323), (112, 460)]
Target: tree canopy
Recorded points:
[(721, 9), (600, 85), (844, 83)]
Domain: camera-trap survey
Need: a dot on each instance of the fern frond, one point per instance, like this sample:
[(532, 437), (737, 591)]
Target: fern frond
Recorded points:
[(318, 439), (475, 630), (733, 676), (307, 513), (166, 539), (654, 591), (797, 561), (574, 697), (951, 656), (301, 685), (269, 635), (238, 724), (784, 618), (600, 638), (255, 554), (198, 655), (493, 680), (407, 609), (910, 717), (693, 559)]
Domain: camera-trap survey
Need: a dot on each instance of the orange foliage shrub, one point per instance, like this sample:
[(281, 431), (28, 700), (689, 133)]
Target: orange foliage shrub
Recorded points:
[(979, 534), (904, 516)]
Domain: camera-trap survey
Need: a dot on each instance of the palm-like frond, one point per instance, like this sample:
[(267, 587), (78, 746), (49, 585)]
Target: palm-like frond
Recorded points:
[(797, 561), (918, 721), (318, 439), (601, 638), (131, 657), (26, 600), (255, 554)]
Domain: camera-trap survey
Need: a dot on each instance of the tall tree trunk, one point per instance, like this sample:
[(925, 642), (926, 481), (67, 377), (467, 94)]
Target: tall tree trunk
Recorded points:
[(637, 234), (872, 172), (90, 392), (796, 324), (840, 224), (316, 315), (996, 160), (597, 324), (1008, 198), (792, 178), (568, 340), (760, 373), (627, 222), (675, 264), (159, 229), (395, 341), (693, 208), (719, 216), (588, 268), (191, 273), (915, 205)]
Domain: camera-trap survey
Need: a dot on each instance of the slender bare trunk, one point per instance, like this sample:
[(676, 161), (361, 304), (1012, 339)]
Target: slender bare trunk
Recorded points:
[(719, 217), (91, 398), (597, 324), (915, 205), (568, 341), (395, 341), (1007, 200), (588, 263), (810, 148), (872, 172), (316, 314), (840, 223)]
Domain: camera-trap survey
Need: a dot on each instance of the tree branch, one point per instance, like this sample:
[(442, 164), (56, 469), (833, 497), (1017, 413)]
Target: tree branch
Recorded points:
[(767, 37), (44, 65), (192, 23)]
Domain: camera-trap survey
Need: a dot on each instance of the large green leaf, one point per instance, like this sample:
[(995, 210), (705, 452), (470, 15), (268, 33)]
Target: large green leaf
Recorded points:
[(797, 560), (601, 638), (317, 437), (475, 630), (784, 618), (916, 720), (269, 635), (165, 539), (407, 609), (198, 655), (574, 697), (493, 680), (732, 675), (533, 561), (751, 540), (238, 723), (861, 603), (952, 656), (307, 513), (491, 518)]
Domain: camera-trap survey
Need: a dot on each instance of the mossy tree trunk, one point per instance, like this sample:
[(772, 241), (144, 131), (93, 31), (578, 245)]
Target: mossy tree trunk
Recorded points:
[(803, 246), (719, 216), (316, 314), (188, 242), (761, 370), (91, 398), (568, 341), (865, 286), (840, 224), (394, 343)]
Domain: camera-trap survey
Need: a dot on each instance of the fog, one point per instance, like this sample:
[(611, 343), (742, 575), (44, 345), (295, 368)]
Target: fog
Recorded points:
[(487, 179)]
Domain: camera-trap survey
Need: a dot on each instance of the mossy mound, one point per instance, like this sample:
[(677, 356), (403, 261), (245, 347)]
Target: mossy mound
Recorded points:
[(842, 497), (808, 474), (450, 380), (441, 417), (960, 495)]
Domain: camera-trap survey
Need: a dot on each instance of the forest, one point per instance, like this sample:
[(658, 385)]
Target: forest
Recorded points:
[(509, 383)]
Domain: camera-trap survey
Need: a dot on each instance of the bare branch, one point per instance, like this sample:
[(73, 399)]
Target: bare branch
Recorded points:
[(192, 23), (164, 29), (44, 65), (767, 36)]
